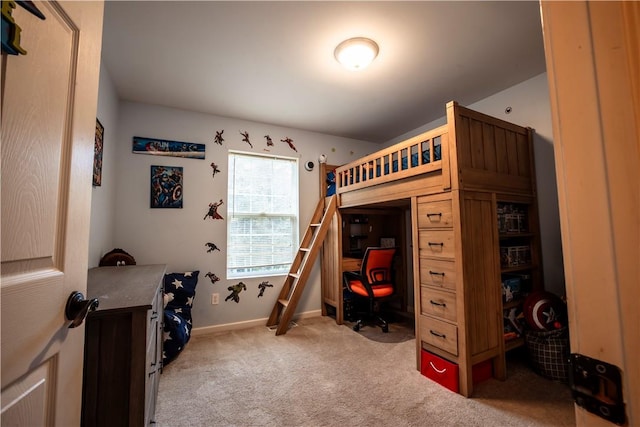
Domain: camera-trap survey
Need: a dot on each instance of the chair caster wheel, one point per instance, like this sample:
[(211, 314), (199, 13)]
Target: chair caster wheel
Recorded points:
[(356, 327), (385, 329)]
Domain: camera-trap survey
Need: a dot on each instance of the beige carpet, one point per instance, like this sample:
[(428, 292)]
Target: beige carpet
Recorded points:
[(322, 374)]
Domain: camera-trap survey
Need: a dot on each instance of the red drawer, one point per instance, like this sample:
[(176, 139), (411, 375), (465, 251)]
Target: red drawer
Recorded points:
[(439, 370)]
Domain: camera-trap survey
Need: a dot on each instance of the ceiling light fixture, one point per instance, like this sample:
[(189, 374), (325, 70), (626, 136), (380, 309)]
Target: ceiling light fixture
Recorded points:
[(356, 53)]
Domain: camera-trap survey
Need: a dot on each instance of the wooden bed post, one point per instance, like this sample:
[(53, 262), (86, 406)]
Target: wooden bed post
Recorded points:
[(450, 163)]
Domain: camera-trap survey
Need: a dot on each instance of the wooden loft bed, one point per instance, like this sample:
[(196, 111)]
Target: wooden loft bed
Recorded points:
[(459, 179)]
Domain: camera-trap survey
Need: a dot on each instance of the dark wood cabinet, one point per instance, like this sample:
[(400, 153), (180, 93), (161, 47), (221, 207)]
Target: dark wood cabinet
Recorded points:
[(123, 346)]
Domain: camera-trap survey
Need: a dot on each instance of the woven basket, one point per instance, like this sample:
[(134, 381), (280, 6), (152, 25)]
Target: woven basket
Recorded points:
[(549, 353)]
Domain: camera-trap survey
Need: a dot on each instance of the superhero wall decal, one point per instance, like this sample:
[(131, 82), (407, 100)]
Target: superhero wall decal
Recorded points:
[(213, 211), (166, 186)]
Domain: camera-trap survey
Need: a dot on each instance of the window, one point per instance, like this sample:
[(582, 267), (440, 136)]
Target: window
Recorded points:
[(262, 215)]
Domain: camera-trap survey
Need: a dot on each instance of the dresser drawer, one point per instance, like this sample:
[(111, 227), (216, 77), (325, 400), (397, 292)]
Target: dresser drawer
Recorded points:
[(152, 360), (436, 214), (154, 334), (439, 273), (154, 316), (436, 243), (438, 303), (439, 334)]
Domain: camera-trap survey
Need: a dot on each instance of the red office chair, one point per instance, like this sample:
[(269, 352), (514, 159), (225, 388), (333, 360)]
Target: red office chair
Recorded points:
[(374, 282)]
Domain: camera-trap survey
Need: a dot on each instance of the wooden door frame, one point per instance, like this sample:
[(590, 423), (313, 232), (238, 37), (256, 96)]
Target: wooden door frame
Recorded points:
[(593, 62)]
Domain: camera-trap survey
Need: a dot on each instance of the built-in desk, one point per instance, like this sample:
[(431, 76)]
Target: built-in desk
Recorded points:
[(351, 232), (351, 264)]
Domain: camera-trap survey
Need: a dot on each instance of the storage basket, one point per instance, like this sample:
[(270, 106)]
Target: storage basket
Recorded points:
[(439, 370), (549, 353)]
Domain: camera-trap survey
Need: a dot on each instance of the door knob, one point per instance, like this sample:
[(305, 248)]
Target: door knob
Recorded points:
[(77, 308)]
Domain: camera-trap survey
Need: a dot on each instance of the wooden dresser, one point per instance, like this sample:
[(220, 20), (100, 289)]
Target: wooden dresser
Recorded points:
[(123, 346)]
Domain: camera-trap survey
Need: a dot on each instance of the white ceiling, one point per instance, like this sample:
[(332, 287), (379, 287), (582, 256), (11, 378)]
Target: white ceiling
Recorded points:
[(272, 62)]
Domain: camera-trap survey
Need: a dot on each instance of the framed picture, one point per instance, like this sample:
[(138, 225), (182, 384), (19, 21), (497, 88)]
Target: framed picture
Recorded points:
[(387, 242), (166, 187), (164, 147), (97, 154)]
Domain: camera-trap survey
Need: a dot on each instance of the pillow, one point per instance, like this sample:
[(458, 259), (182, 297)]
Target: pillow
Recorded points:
[(177, 332), (180, 289), (179, 292), (331, 183)]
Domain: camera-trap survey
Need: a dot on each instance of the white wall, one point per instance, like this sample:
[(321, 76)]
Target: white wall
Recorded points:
[(121, 216), (177, 237), (530, 106), (103, 197)]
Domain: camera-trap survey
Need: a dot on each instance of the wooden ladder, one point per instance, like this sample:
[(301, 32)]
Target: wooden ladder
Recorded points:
[(301, 266)]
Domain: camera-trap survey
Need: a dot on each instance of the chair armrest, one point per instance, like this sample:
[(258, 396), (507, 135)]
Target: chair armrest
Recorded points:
[(349, 275)]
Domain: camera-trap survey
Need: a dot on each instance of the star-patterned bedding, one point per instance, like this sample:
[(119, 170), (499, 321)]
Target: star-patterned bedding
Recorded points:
[(179, 293)]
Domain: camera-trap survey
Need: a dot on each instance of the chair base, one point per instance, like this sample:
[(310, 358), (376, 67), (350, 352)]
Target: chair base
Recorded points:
[(378, 320)]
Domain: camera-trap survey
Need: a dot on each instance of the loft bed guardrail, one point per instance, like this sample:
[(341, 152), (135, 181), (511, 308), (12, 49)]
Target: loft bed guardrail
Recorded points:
[(418, 155)]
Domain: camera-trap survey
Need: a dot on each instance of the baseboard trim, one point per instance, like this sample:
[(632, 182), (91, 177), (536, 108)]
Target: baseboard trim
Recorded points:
[(206, 330)]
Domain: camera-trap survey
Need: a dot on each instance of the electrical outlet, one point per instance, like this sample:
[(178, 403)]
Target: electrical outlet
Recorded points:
[(215, 299)]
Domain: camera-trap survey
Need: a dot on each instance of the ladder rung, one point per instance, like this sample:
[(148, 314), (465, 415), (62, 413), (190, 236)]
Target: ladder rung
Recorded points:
[(297, 276)]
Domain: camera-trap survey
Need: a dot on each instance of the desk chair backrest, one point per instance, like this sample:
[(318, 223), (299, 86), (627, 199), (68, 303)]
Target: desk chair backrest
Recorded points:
[(377, 266), (374, 282)]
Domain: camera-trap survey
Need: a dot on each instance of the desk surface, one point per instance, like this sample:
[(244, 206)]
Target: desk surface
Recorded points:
[(126, 286), (351, 264)]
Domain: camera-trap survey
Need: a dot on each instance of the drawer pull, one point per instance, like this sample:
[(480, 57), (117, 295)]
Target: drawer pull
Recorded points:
[(439, 214), (435, 273), (439, 304), (436, 369), (437, 334), (436, 244)]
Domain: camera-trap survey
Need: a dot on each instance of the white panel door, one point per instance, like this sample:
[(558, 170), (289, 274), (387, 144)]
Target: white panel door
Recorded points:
[(49, 101)]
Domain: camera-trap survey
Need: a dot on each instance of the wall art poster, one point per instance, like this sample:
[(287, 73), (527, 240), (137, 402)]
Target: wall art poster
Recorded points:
[(97, 154), (162, 147), (166, 187)]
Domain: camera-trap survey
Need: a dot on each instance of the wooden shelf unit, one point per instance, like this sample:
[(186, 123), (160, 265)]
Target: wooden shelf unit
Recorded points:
[(529, 273)]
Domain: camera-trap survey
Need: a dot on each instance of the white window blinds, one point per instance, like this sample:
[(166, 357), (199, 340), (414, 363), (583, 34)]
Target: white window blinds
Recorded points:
[(262, 224)]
